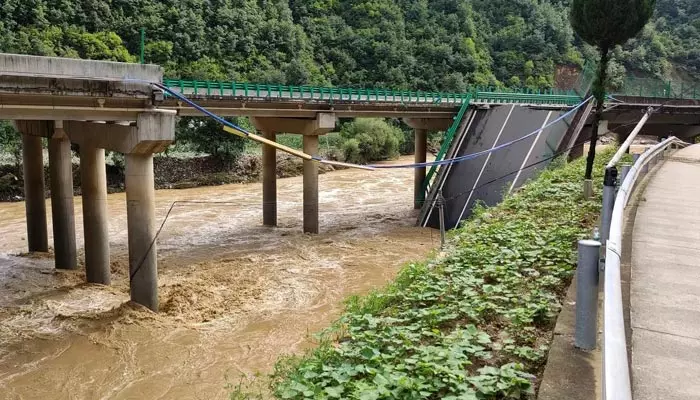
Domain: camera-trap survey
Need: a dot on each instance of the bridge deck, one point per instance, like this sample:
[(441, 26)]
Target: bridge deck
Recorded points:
[(665, 283)]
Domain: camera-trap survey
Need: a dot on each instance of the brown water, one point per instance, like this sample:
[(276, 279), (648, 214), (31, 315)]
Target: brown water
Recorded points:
[(234, 295)]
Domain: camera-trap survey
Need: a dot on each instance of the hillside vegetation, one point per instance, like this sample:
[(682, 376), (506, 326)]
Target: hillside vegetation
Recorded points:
[(424, 45)]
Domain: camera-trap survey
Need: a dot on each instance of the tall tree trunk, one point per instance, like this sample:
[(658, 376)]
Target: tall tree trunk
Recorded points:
[(599, 93)]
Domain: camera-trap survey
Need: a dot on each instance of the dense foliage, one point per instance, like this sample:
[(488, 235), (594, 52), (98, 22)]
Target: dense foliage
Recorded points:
[(370, 140), (204, 135), (11, 144), (425, 44), (606, 23), (474, 324)]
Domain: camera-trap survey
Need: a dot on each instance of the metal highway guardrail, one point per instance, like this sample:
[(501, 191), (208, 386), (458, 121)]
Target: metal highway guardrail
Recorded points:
[(219, 89), (616, 377)]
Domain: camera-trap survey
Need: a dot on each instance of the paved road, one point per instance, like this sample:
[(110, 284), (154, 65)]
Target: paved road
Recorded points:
[(665, 284)]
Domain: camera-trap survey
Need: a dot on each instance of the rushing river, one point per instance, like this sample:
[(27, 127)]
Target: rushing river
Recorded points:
[(234, 295)]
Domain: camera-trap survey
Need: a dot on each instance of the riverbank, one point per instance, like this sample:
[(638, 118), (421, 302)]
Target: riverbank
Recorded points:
[(475, 322), (170, 173)]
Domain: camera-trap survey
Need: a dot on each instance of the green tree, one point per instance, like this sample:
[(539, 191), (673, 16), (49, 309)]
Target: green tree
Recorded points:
[(205, 135), (370, 139), (605, 24), (11, 143)]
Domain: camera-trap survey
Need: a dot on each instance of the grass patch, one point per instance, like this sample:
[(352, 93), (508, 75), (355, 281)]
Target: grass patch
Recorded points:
[(475, 324)]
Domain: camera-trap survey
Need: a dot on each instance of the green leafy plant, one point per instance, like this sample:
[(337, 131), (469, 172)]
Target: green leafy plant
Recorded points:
[(206, 136), (371, 140), (11, 143), (473, 324)]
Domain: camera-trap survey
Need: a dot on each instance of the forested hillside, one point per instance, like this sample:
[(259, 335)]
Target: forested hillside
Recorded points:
[(417, 44)]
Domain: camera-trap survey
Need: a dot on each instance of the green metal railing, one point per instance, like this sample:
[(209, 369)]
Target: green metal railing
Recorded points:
[(657, 88), (446, 143), (236, 89), (544, 97), (218, 88)]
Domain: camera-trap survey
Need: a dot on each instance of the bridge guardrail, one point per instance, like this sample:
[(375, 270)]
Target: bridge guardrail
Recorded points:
[(274, 91), (616, 377), (245, 89)]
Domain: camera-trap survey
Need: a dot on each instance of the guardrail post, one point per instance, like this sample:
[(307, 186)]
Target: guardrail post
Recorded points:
[(623, 173), (587, 294), (609, 189), (635, 157)]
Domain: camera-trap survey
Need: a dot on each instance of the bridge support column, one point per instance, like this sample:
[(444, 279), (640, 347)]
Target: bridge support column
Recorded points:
[(269, 160), (310, 186), (153, 133), (62, 209), (93, 178), (140, 211), (310, 129), (421, 136), (421, 127), (35, 202)]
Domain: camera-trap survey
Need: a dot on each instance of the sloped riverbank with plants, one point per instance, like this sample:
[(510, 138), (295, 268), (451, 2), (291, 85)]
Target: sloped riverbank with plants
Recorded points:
[(473, 323)]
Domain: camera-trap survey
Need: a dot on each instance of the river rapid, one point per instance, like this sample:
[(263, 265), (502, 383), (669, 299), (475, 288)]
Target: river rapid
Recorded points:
[(234, 296)]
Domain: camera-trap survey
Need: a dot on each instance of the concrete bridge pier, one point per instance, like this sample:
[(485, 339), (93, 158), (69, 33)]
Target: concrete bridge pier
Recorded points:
[(62, 208), (311, 129), (421, 137), (140, 211), (421, 127), (311, 186), (152, 133), (33, 171), (269, 160), (94, 188)]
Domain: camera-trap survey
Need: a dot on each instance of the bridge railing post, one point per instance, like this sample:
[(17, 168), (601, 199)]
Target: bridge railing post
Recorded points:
[(587, 294)]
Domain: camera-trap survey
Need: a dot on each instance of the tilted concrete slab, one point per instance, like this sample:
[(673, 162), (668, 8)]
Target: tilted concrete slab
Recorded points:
[(665, 283), (488, 177)]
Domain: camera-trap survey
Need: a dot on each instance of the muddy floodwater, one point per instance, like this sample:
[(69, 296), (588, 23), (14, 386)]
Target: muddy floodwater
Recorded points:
[(234, 295)]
